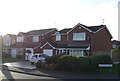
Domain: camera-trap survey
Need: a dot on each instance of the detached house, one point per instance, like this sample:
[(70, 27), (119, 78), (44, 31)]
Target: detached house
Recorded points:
[(31, 41), (115, 44), (8, 40), (80, 40)]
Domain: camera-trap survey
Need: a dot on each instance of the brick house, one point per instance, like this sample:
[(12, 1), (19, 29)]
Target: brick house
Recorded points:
[(8, 40), (31, 40), (80, 40), (115, 46)]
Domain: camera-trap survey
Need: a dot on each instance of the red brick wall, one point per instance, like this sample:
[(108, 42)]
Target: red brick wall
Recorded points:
[(78, 30), (47, 37), (101, 41), (68, 39), (28, 39)]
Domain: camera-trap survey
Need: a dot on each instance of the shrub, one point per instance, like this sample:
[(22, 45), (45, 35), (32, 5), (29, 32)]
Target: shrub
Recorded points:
[(40, 65), (53, 59), (77, 64), (67, 62), (85, 64), (52, 66), (43, 65), (72, 63), (102, 59)]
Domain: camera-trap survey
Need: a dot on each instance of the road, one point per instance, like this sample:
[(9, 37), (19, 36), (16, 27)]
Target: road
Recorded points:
[(6, 75), (13, 75)]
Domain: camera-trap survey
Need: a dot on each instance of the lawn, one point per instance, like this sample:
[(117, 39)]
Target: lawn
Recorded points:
[(8, 58), (5, 60)]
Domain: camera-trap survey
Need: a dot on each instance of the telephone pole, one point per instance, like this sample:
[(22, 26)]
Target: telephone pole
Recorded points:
[(119, 20)]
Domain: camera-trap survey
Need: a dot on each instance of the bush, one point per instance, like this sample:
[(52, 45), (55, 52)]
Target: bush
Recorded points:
[(6, 55), (78, 64), (52, 66), (67, 62), (53, 59), (41, 65), (85, 64), (102, 59), (38, 65)]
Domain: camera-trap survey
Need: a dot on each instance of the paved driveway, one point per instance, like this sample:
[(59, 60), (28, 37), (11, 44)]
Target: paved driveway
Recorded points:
[(21, 64)]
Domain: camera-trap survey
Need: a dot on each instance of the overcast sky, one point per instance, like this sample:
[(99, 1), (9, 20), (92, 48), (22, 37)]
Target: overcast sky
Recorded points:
[(25, 15)]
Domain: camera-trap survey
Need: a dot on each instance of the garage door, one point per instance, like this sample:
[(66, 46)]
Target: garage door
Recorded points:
[(13, 52), (48, 52)]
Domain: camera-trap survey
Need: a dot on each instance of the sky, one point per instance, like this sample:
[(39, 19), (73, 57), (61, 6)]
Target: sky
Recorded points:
[(25, 15)]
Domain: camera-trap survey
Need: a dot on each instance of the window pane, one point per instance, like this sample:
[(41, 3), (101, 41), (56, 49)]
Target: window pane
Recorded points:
[(35, 38), (79, 36), (20, 39), (58, 37)]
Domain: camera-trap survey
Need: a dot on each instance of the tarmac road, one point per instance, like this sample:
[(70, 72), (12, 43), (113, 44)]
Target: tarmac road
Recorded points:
[(24, 68)]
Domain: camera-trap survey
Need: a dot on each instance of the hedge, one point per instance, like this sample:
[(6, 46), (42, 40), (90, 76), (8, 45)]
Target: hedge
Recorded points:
[(77, 64), (71, 63), (53, 59)]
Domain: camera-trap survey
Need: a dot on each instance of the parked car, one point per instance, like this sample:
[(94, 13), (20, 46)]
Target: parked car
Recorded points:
[(34, 58)]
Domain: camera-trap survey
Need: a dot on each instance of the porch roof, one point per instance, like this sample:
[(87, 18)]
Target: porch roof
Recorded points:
[(71, 46)]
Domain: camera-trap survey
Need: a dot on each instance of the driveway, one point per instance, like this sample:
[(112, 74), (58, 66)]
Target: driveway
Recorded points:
[(21, 64)]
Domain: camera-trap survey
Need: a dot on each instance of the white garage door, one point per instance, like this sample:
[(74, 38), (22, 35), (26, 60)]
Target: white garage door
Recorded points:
[(13, 52), (48, 52)]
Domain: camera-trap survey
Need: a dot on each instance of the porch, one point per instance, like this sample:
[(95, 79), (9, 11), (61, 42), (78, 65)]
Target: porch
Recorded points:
[(73, 51)]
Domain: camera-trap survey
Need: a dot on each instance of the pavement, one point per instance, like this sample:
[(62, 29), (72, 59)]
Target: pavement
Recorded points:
[(26, 68)]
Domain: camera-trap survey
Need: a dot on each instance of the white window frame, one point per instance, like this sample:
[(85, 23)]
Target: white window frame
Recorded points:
[(20, 39), (58, 37), (114, 46), (35, 38), (79, 36), (7, 42)]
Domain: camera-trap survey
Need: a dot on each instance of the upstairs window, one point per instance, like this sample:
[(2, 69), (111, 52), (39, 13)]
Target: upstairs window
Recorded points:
[(20, 39), (58, 36), (35, 38), (114, 46), (7, 42), (79, 36)]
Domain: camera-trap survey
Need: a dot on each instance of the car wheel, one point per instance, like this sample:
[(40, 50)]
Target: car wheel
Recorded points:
[(32, 63)]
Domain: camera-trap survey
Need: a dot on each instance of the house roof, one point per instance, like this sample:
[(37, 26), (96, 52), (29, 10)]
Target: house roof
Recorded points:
[(70, 46), (92, 29), (12, 35), (95, 28), (116, 42), (37, 32), (64, 31), (24, 45), (89, 28), (56, 45)]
